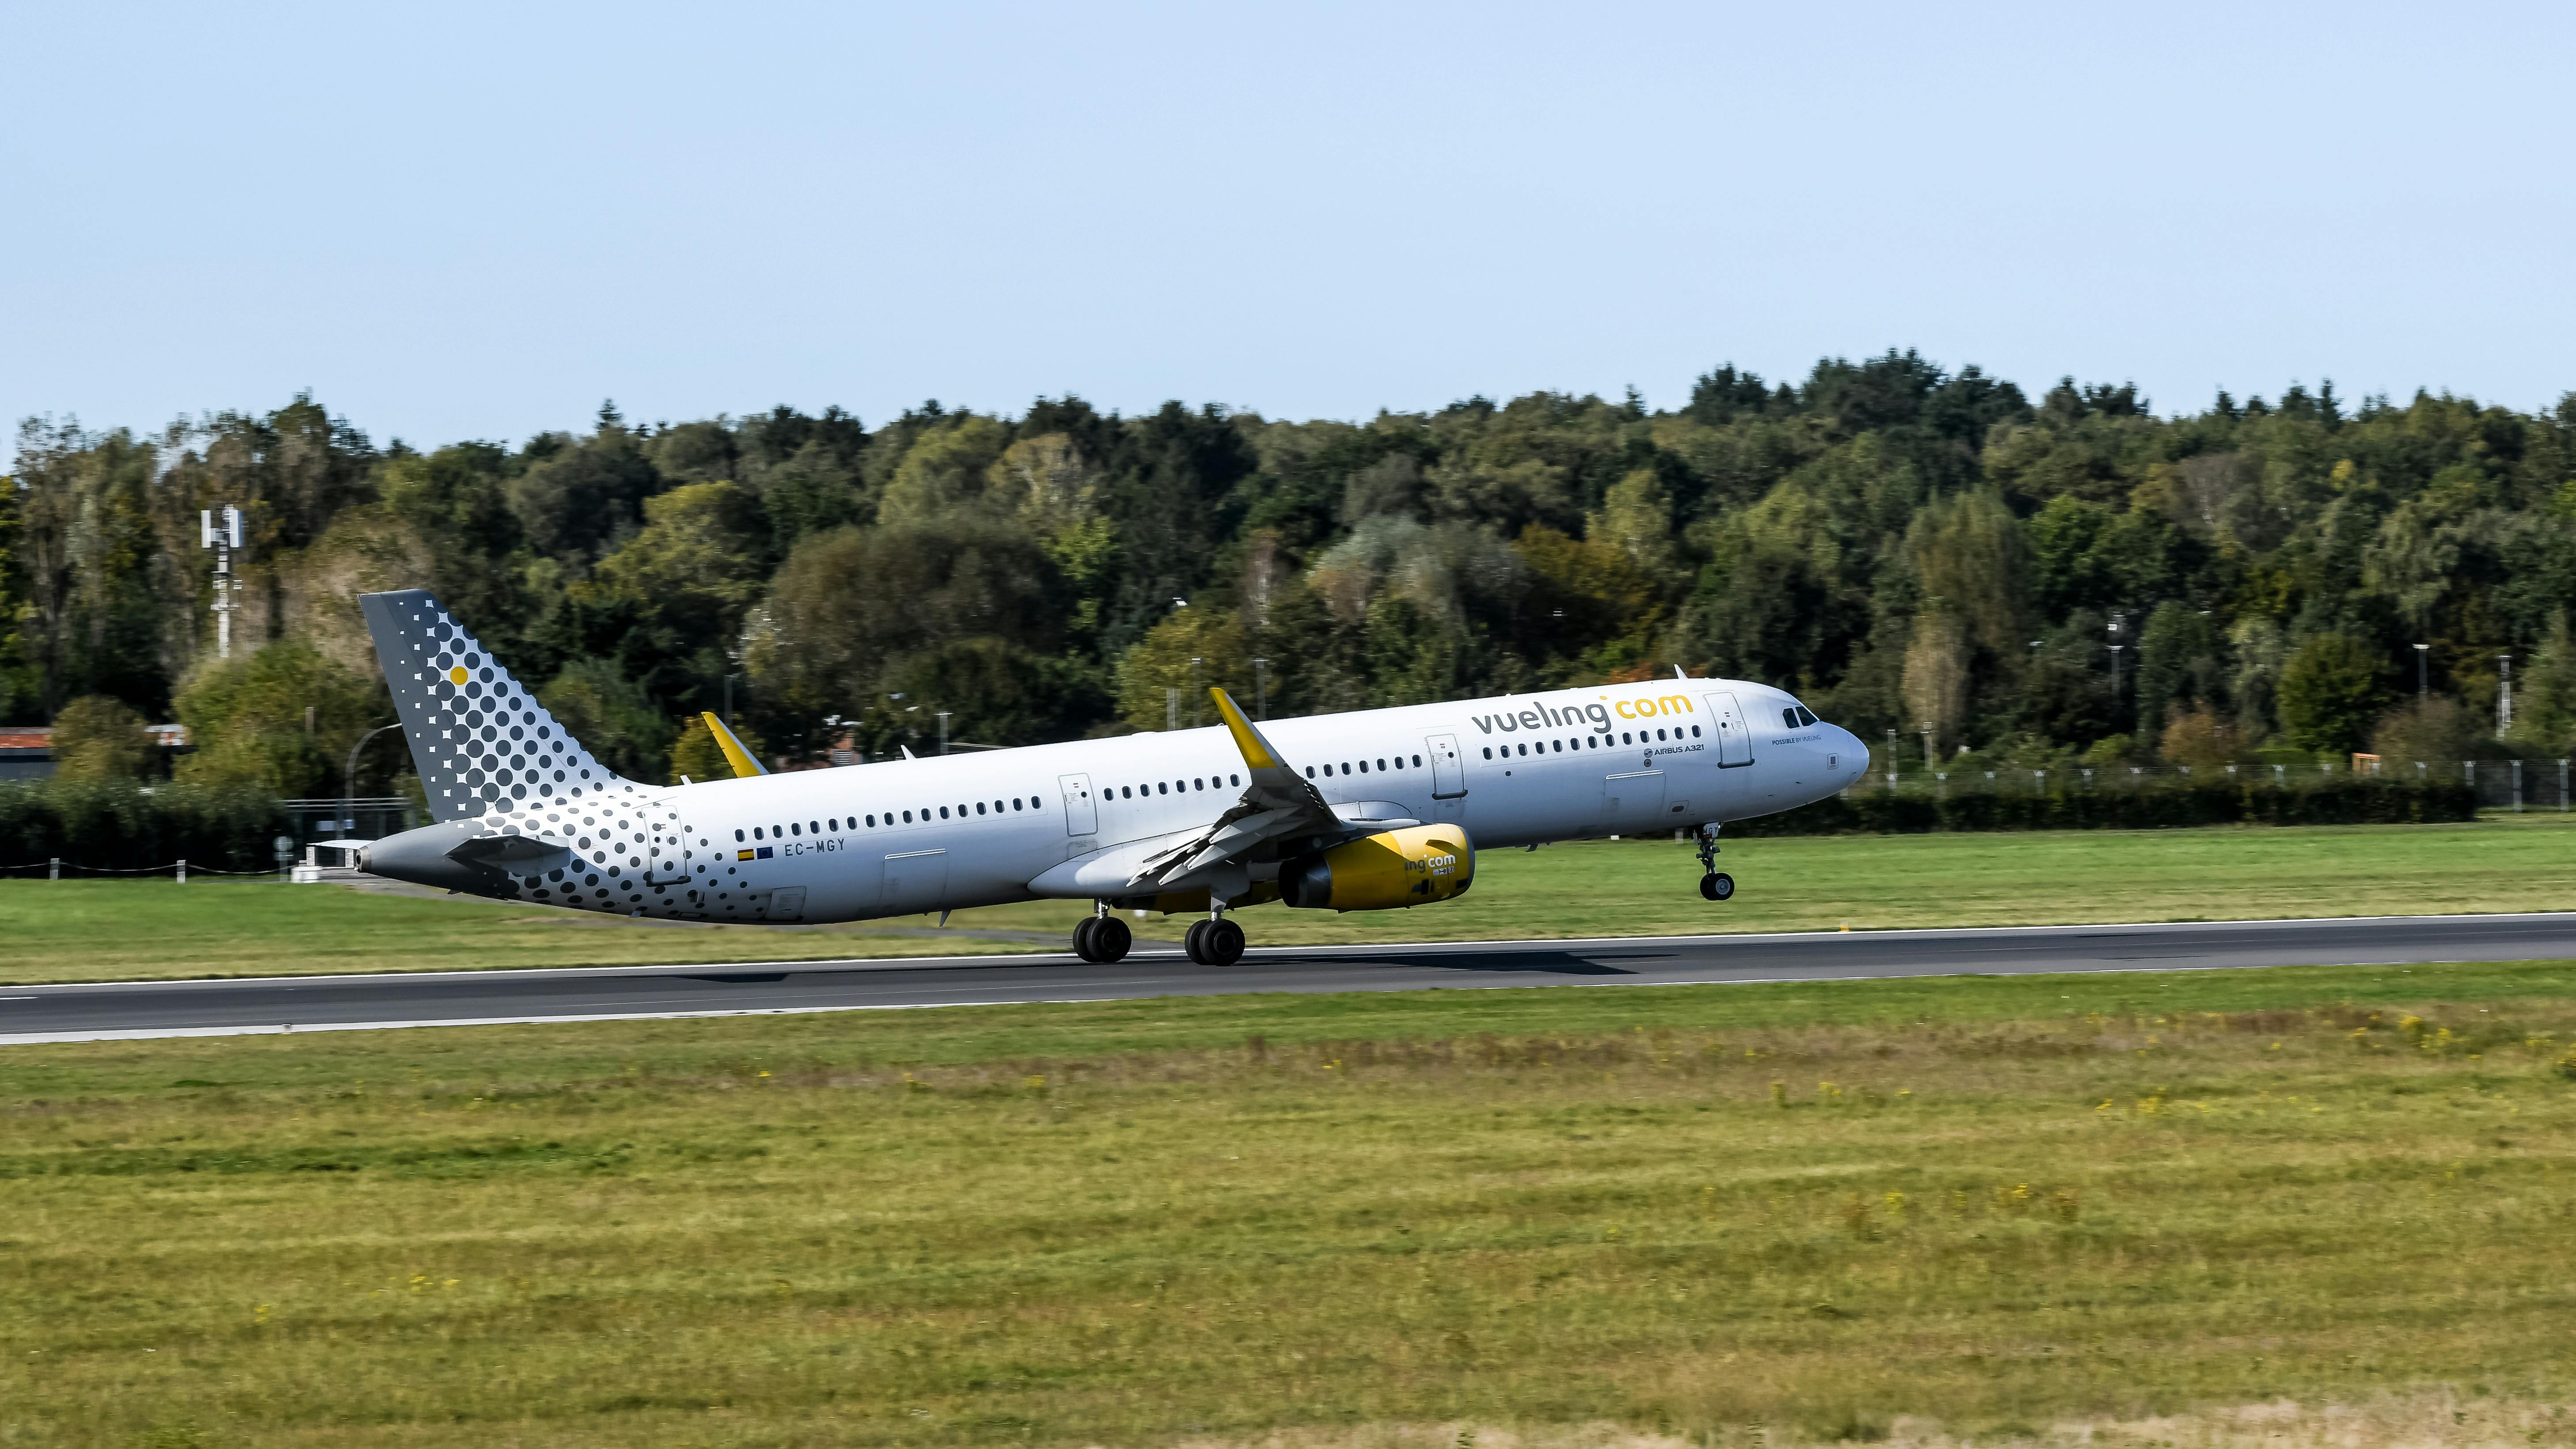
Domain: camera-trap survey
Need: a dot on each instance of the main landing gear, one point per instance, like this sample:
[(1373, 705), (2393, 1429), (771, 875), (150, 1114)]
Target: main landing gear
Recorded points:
[(1103, 938), (1714, 884), (1215, 941)]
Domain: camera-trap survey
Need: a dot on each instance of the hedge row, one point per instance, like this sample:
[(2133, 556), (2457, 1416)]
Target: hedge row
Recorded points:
[(2343, 800), (108, 825)]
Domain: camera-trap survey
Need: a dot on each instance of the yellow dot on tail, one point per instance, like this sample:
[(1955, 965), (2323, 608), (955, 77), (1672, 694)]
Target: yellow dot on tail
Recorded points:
[(456, 675)]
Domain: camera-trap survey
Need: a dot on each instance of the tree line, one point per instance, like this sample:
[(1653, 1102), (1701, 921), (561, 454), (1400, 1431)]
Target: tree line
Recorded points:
[(1933, 558)]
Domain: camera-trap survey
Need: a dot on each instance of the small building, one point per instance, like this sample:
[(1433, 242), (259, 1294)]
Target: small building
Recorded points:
[(27, 751)]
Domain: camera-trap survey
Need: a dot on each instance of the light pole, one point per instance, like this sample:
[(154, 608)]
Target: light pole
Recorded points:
[(1194, 693), (943, 731), (349, 781), (1929, 758), (1261, 688), (2504, 695), (2423, 671)]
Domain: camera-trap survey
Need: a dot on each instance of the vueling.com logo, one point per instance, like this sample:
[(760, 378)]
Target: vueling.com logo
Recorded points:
[(1547, 716)]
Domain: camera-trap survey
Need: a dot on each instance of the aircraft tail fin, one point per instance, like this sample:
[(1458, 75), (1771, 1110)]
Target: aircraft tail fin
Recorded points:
[(479, 738)]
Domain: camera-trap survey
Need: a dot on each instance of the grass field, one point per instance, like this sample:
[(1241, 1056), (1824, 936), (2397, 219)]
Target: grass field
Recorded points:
[(85, 930), (1760, 1216)]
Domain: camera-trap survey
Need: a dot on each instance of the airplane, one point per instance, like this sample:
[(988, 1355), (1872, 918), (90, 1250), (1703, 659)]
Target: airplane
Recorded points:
[(1378, 809)]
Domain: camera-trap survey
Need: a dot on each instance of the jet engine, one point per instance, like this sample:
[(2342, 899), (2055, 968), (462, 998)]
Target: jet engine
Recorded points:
[(1383, 872)]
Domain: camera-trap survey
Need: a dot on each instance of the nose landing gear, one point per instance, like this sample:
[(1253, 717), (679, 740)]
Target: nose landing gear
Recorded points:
[(1714, 884), (1102, 937)]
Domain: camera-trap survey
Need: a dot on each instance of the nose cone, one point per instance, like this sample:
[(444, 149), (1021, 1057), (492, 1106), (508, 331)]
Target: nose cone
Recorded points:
[(1851, 756), (421, 857)]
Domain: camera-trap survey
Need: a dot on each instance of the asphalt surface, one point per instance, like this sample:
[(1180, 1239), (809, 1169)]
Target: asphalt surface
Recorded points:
[(307, 1003)]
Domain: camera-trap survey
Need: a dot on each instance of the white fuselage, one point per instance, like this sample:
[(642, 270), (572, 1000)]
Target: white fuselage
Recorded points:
[(978, 829)]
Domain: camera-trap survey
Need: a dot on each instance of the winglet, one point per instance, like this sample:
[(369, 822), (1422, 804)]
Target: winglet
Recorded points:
[(744, 766), (1256, 750)]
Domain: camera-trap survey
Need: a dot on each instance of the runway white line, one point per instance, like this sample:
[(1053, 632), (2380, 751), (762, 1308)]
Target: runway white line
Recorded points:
[(1158, 952), (8, 1039)]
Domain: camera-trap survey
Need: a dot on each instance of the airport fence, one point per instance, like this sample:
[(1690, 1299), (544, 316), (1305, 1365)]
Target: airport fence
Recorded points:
[(2119, 799)]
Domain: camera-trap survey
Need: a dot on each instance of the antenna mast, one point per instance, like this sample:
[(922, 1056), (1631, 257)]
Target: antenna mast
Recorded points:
[(223, 539)]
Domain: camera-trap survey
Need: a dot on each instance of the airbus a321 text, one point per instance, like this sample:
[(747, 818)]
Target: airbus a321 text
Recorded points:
[(1372, 810)]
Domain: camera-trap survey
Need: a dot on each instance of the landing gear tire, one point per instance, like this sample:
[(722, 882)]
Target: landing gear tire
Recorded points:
[(1214, 943), (1717, 885), (1102, 939), (1222, 944), (1110, 940)]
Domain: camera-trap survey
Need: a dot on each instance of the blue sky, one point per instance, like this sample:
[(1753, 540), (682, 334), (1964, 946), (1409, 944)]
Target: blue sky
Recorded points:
[(479, 220)]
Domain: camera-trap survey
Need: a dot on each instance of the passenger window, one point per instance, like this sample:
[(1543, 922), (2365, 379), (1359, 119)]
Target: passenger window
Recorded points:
[(1310, 772), (1363, 767), (794, 829), (943, 812), (1161, 788), (756, 835), (1489, 754), (737, 835), (1623, 738), (1233, 779), (1524, 749), (1197, 784), (979, 807), (872, 822), (1694, 731), (1417, 762)]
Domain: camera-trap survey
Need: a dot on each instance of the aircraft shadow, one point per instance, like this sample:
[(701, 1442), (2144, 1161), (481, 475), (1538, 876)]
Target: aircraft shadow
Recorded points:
[(1548, 963)]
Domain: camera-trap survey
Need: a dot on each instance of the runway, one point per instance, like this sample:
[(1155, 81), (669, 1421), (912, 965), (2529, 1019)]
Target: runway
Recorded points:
[(117, 1010)]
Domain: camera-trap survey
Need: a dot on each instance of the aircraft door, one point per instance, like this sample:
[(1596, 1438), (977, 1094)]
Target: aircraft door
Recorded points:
[(1448, 771), (1632, 797), (1734, 741), (668, 855), (915, 880), (1081, 812)]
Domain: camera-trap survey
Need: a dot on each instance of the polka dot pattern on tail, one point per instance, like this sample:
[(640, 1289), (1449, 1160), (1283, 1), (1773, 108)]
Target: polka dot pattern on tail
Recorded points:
[(481, 741)]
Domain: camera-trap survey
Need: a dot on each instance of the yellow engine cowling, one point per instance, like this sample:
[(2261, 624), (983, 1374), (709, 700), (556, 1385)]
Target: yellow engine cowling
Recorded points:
[(1383, 872)]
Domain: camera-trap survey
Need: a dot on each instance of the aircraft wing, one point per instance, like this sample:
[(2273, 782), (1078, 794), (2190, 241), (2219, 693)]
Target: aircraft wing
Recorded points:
[(1277, 804), (744, 766)]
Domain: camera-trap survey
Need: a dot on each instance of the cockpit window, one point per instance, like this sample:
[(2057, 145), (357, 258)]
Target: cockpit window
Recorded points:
[(1789, 717), (1806, 716)]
